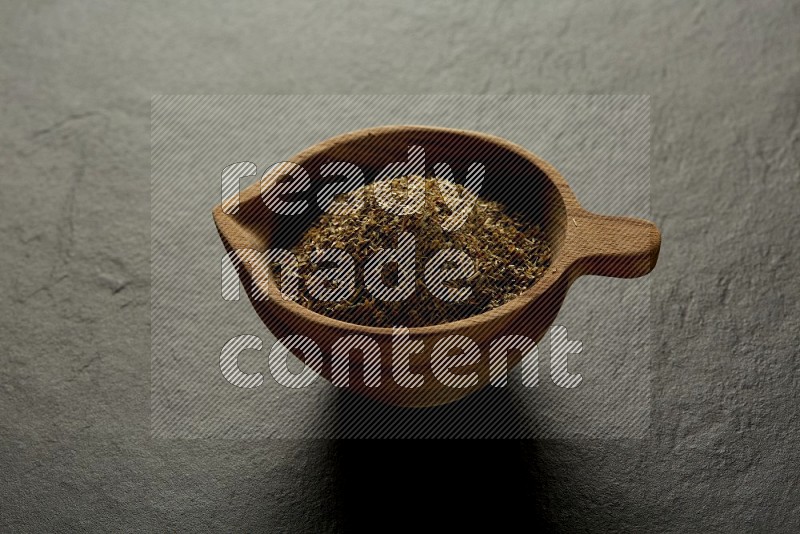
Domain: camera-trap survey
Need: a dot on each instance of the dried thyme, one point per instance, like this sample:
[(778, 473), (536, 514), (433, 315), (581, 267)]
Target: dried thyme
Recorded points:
[(508, 251)]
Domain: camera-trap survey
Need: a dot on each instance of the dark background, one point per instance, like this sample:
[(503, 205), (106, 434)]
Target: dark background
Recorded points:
[(76, 81)]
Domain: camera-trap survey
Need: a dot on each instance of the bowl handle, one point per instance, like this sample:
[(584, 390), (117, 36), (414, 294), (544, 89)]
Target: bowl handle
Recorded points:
[(622, 247)]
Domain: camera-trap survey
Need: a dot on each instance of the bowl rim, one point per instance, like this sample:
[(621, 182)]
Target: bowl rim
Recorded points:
[(554, 273)]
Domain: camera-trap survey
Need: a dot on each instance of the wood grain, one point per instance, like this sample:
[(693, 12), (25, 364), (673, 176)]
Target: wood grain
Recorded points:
[(584, 243)]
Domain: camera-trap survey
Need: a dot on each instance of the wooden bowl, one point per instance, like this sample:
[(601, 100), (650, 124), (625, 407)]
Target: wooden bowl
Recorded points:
[(582, 243)]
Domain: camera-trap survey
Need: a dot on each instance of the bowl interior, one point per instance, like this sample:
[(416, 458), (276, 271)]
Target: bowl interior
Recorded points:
[(512, 177)]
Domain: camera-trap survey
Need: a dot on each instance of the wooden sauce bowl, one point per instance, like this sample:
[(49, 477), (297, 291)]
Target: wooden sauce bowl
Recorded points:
[(581, 243)]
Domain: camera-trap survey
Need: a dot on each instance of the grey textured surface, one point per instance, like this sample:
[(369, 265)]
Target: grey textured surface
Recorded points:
[(77, 78)]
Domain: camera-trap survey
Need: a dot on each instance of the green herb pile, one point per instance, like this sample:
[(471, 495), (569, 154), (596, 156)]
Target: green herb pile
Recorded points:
[(508, 251)]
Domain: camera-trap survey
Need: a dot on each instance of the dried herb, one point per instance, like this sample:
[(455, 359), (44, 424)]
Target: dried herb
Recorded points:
[(508, 252)]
